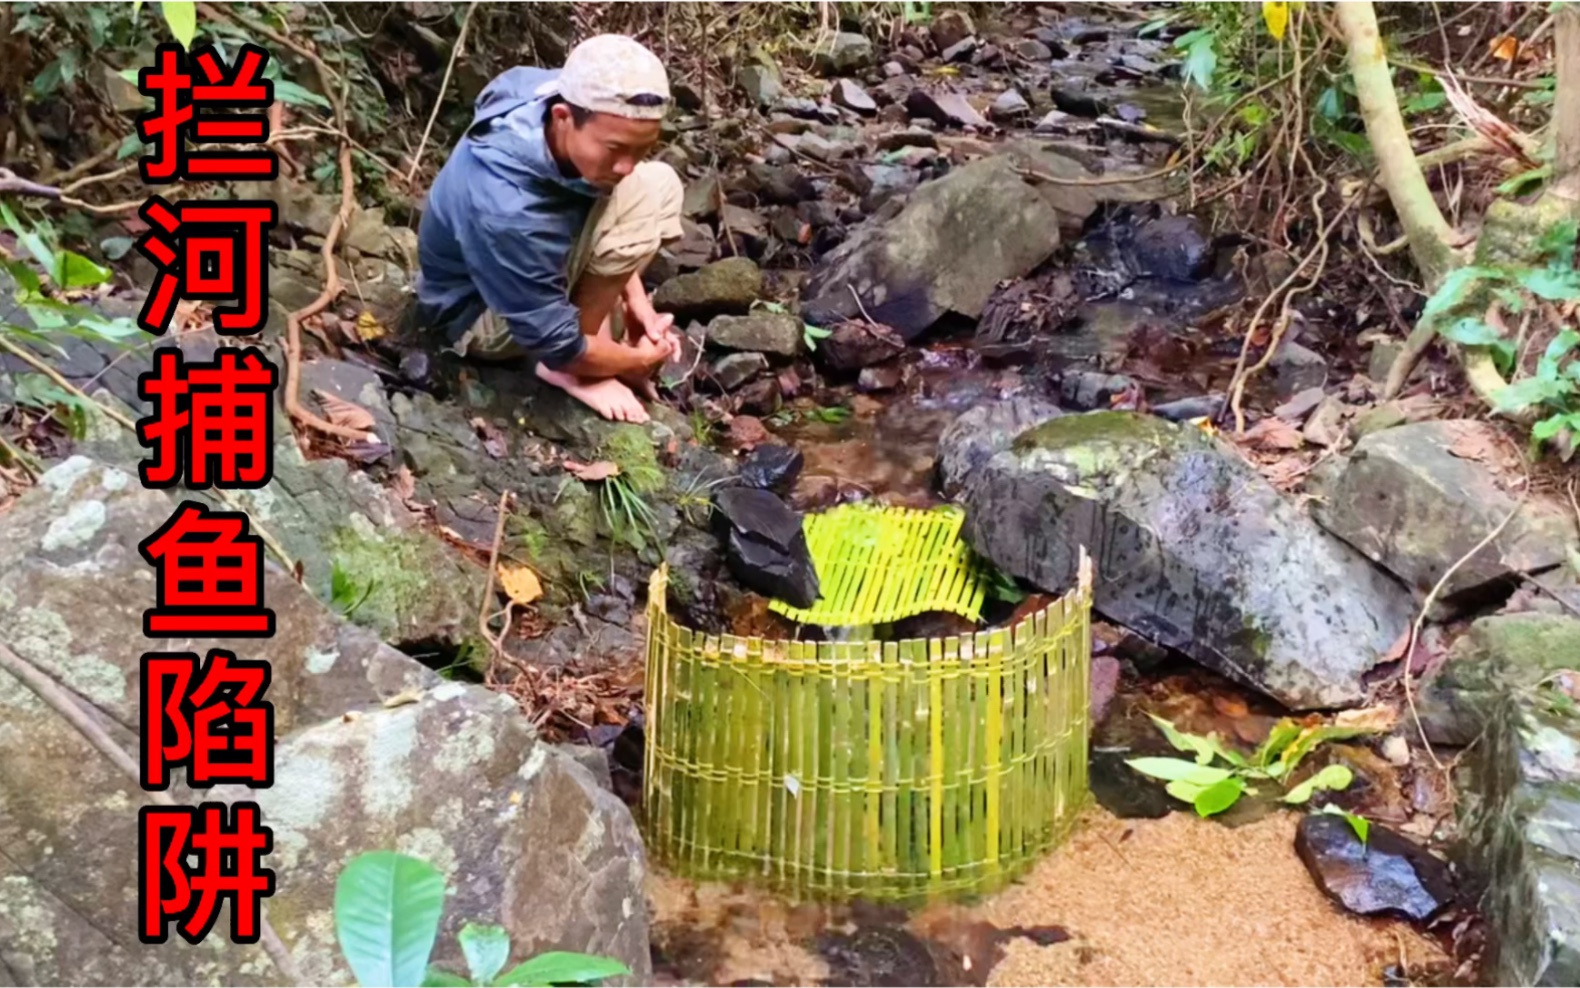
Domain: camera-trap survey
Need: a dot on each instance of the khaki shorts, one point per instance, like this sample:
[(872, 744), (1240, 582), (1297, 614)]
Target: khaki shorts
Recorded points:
[(623, 233)]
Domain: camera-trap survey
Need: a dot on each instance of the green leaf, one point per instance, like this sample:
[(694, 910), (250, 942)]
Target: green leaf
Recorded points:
[(1219, 796), (116, 248), (1558, 242), (1358, 823), (1205, 748), (75, 271), (1331, 104), (291, 94), (1185, 792), (26, 278), (129, 147), (28, 238), (1553, 284), (1456, 287), (1278, 739), (387, 909), (1519, 184), (1201, 59), (486, 948), (1528, 391), (560, 967), (1471, 331), (182, 19), (440, 978), (1178, 770), (1331, 777), (1551, 426)]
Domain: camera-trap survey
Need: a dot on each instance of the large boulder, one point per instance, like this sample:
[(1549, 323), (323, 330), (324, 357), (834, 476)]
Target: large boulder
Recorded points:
[(1520, 796), (1193, 549), (373, 751), (946, 251), (1416, 507), (983, 432), (730, 285)]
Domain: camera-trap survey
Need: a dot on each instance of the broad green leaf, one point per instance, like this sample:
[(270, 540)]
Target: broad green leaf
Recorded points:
[(1358, 823), (440, 978), (116, 248), (560, 967), (1278, 739), (1561, 345), (1330, 105), (1558, 243), (291, 94), (1178, 770), (387, 909), (1456, 287), (1275, 14), (816, 332), (1219, 796), (26, 278), (1331, 777), (1308, 740), (1528, 391), (1522, 183), (1205, 748), (486, 948), (1185, 792), (1552, 283), (1471, 331), (28, 238), (44, 315), (1550, 426), (182, 18), (1201, 61), (75, 271), (94, 325)]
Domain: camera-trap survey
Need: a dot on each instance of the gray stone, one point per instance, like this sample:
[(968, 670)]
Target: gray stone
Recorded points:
[(1075, 203), (760, 81), (780, 184), (906, 138), (1192, 548), (960, 51), (730, 285), (885, 378), (1327, 425), (944, 109), (981, 433), (1177, 248), (757, 332), (449, 772), (1409, 504), (1501, 654), (743, 227), (701, 198), (1295, 368), (735, 369), (946, 251), (848, 52), (353, 383), (1010, 105), (1381, 358), (1084, 391), (852, 97), (1033, 50), (950, 28)]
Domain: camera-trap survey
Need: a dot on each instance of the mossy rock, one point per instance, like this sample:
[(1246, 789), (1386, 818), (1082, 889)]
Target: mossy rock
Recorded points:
[(416, 588)]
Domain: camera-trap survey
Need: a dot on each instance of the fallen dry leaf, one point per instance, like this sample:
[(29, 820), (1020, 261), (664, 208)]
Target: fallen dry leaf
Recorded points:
[(1381, 718), (520, 583), (591, 472), (347, 414), (369, 327), (405, 484), (493, 440), (1505, 47), (1273, 434)]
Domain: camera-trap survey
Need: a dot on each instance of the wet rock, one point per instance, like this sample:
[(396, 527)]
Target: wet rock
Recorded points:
[(1075, 203), (735, 369), (731, 285), (946, 251), (1123, 791), (944, 109), (1173, 247), (847, 53), (852, 97), (1295, 368), (777, 333), (772, 467), (981, 433), (760, 397), (353, 383), (1033, 50), (799, 107), (1301, 405), (1130, 113), (1499, 655), (885, 378), (1086, 390), (960, 51), (1410, 504), (765, 546), (1184, 409), (563, 869), (786, 225), (892, 69), (1392, 414), (701, 198), (1387, 876), (695, 248), (1140, 64), (885, 182), (855, 345), (1193, 546), (1009, 106), (818, 213), (742, 227), (908, 137), (1053, 122), (878, 955), (950, 28), (782, 185), (1326, 427), (1077, 102)]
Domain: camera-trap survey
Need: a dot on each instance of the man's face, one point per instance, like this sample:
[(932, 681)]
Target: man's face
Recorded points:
[(606, 148)]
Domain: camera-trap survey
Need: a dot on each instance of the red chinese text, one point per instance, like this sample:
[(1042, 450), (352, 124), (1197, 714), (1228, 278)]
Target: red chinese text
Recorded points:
[(229, 844), (212, 719), (211, 424), (208, 252), (209, 576), (179, 94)]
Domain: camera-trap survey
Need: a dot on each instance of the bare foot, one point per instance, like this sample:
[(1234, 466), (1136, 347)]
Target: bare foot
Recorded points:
[(609, 398), (643, 387)]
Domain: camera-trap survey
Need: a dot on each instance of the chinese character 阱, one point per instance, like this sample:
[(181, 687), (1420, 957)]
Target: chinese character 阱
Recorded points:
[(209, 576), (178, 95), (211, 422), (229, 853), (211, 719), (208, 251)]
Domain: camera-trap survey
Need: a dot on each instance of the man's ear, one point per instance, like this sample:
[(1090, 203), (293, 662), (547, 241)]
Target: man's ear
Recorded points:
[(560, 112)]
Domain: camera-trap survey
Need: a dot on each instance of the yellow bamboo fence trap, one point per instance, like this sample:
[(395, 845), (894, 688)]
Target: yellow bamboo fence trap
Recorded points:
[(889, 770)]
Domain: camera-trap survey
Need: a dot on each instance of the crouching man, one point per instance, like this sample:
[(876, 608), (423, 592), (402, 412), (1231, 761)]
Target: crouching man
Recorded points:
[(540, 223)]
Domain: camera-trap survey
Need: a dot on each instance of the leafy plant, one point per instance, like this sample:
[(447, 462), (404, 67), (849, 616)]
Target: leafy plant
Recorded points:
[(387, 911), (810, 334), (345, 594), (1358, 823), (1213, 788), (627, 513)]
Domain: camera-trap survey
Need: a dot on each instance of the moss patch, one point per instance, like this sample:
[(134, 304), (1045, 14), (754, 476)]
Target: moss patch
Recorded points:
[(418, 589)]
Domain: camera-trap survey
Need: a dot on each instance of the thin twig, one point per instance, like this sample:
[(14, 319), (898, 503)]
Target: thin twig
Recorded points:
[(67, 706), (493, 562), (444, 84)]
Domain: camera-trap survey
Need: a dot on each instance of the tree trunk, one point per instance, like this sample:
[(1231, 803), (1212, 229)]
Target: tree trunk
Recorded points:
[(1566, 105), (1428, 233)]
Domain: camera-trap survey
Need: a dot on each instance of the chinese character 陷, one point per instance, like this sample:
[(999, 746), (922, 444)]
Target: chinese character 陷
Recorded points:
[(229, 853), (208, 252), (211, 422), (174, 120), (211, 719), (209, 576)]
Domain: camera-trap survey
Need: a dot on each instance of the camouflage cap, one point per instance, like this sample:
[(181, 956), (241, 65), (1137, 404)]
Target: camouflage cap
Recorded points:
[(611, 73)]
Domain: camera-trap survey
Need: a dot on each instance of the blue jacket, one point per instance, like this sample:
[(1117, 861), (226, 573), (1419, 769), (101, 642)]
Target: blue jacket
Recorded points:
[(500, 225)]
